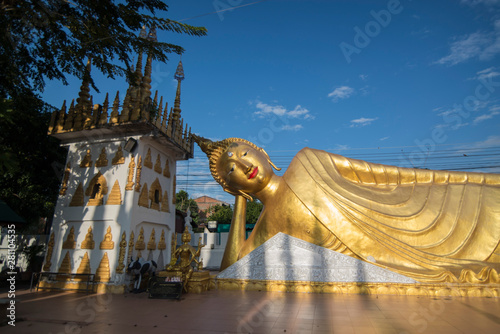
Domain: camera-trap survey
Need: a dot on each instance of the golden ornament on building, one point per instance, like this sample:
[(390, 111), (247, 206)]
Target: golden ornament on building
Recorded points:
[(143, 197), (84, 267), (130, 246), (102, 161), (130, 178), (87, 160), (65, 267), (165, 205), (161, 244), (138, 175), (88, 242), (432, 226), (118, 159), (147, 161), (70, 242), (152, 241), (50, 249), (108, 242), (157, 167), (77, 199), (64, 185), (155, 195), (140, 245), (121, 256), (115, 196), (98, 187), (166, 169), (102, 274)]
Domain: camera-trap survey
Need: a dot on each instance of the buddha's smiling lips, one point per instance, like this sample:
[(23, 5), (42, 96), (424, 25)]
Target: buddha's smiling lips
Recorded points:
[(253, 173)]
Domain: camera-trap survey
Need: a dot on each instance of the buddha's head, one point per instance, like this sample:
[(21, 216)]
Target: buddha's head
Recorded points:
[(239, 166)]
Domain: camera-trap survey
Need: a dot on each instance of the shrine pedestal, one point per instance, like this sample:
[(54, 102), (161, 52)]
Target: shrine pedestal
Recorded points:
[(198, 283)]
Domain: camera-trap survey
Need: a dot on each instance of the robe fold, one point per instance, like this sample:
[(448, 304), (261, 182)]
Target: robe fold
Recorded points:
[(433, 226)]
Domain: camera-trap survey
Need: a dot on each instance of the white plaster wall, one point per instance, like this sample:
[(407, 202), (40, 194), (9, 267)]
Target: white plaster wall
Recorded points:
[(126, 217), (215, 244)]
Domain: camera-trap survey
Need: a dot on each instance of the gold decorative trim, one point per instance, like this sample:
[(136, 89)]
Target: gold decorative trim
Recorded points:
[(102, 274), (143, 197), (77, 199), (118, 159), (70, 242), (148, 162), (98, 187), (50, 249), (65, 267), (161, 244), (152, 241), (108, 242), (115, 196), (157, 167), (87, 160), (430, 290), (84, 267), (166, 169), (102, 161), (165, 205), (130, 246), (140, 245), (155, 202), (64, 186), (121, 256), (89, 242), (138, 175), (130, 179)]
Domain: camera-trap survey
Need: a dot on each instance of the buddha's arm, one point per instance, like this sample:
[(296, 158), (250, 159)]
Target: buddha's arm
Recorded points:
[(236, 237)]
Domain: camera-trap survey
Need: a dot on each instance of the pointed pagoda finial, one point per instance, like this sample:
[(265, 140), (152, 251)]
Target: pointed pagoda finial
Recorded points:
[(152, 34), (143, 34), (179, 76)]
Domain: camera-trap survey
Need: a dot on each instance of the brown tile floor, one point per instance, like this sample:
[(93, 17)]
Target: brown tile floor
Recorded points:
[(251, 312)]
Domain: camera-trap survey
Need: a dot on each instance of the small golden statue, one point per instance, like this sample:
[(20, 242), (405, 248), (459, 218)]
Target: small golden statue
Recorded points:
[(185, 257), (433, 226)]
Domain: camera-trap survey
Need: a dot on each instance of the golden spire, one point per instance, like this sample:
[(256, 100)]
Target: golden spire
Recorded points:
[(179, 76), (83, 101)]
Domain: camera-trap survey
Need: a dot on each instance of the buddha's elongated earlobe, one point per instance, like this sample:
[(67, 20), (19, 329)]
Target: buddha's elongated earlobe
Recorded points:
[(269, 160)]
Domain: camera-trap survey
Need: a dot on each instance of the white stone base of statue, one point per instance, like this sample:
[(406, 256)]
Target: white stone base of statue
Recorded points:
[(290, 259)]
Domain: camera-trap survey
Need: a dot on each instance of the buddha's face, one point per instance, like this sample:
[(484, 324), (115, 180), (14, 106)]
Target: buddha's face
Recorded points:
[(244, 168), (186, 237)]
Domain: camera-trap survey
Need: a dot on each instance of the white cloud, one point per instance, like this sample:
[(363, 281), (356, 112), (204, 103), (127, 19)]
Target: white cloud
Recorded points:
[(384, 138), (485, 74), (476, 45), (491, 141), (278, 110), (296, 127), (363, 77), (359, 122), (342, 92), (485, 117)]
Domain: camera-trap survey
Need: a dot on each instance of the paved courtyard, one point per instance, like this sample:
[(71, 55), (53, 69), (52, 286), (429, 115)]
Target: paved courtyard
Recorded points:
[(250, 312)]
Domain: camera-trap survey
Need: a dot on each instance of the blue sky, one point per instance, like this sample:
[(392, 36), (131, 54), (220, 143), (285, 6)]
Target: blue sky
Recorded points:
[(408, 83)]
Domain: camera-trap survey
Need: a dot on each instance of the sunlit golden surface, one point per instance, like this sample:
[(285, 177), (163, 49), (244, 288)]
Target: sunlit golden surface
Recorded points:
[(433, 226)]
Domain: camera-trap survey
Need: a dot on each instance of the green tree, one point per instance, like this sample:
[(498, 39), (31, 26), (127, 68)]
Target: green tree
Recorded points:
[(183, 202), (223, 214), (253, 211), (50, 39), (33, 162)]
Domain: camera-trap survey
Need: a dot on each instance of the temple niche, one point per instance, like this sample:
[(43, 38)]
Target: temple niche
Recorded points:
[(109, 143)]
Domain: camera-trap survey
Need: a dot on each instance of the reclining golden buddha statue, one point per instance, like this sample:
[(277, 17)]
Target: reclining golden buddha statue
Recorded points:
[(432, 226)]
